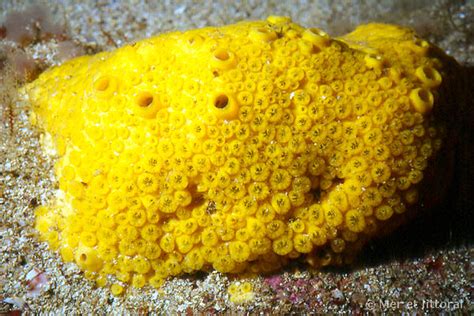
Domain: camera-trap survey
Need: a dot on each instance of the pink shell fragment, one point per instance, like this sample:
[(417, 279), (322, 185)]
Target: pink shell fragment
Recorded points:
[(36, 281)]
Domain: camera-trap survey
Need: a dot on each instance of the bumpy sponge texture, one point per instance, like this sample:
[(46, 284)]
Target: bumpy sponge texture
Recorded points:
[(236, 148)]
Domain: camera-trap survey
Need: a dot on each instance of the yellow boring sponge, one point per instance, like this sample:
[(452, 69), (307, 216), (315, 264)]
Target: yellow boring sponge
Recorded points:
[(236, 148)]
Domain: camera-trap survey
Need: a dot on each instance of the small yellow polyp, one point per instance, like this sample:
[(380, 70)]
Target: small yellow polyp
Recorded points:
[(429, 76), (241, 293), (373, 61), (116, 289), (262, 34), (422, 100), (146, 104), (223, 59), (224, 105), (236, 148), (105, 86), (87, 259), (317, 37)]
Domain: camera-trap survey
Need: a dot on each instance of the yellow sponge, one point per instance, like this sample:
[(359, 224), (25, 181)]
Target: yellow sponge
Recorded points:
[(236, 147)]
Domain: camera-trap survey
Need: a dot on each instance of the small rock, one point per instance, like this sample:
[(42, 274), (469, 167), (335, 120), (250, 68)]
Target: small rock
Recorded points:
[(337, 295)]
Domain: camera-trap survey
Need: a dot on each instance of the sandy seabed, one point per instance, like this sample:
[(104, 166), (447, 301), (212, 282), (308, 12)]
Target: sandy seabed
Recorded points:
[(426, 266)]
